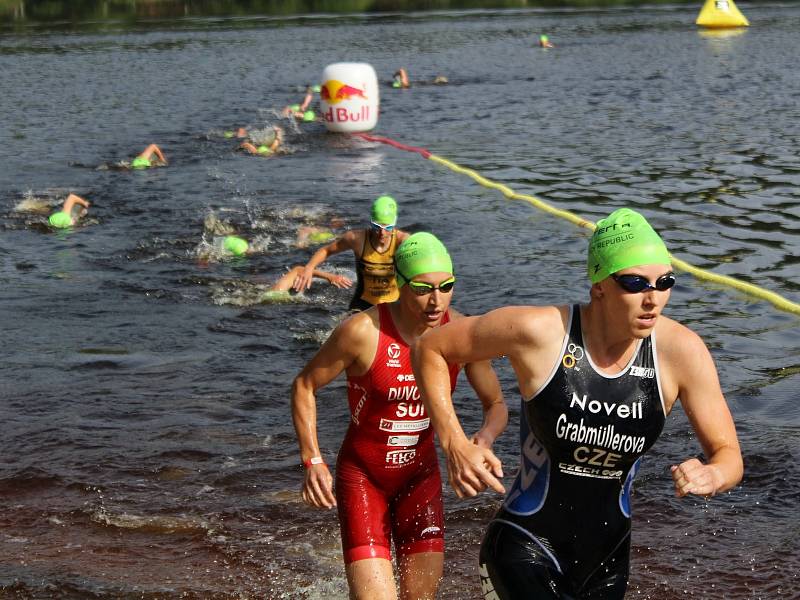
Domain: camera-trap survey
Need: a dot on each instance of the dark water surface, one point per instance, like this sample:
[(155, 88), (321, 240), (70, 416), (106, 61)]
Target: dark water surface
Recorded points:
[(147, 447)]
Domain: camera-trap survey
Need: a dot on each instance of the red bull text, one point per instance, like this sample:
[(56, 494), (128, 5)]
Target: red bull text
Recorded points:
[(333, 92)]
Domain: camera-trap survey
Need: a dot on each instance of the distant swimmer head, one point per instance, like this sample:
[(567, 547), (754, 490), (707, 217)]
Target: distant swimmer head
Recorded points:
[(316, 88), (235, 245), (228, 134), (421, 253), (309, 115), (622, 240), (294, 107), (60, 220), (384, 211), (264, 149), (321, 237), (543, 39), (396, 84)]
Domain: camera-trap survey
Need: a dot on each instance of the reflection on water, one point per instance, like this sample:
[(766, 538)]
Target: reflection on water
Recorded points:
[(149, 448)]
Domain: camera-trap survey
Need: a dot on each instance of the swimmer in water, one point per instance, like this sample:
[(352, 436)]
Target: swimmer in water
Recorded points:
[(223, 247), (313, 235), (388, 487), (301, 111), (544, 42), (264, 142), (69, 214), (400, 79), (374, 250), (241, 132), (149, 157), (596, 391)]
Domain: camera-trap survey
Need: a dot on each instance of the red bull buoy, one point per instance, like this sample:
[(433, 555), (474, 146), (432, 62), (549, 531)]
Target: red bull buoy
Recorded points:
[(349, 98)]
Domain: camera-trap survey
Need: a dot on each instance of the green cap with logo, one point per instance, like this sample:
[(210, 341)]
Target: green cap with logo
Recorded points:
[(421, 253), (622, 240), (384, 211)]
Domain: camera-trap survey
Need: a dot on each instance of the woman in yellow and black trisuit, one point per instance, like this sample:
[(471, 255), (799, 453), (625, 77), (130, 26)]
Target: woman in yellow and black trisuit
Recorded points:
[(374, 251)]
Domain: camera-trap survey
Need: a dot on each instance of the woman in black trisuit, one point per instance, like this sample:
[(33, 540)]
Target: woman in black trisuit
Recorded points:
[(597, 382)]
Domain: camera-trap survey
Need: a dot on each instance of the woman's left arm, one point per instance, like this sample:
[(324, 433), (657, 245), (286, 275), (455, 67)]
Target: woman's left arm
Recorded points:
[(702, 399)]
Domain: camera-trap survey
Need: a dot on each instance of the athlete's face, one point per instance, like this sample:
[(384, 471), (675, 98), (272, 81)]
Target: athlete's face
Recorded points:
[(429, 308), (640, 310), (381, 234)]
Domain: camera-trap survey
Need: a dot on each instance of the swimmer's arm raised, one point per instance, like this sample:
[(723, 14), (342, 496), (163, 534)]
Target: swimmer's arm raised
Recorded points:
[(346, 242), (307, 100), (248, 147), (278, 139), (150, 151), (72, 200), (705, 406)]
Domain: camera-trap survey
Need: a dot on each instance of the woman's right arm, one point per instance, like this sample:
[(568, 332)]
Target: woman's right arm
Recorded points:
[(336, 355), (471, 468)]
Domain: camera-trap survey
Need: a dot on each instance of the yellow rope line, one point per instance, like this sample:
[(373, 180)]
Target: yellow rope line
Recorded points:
[(748, 288)]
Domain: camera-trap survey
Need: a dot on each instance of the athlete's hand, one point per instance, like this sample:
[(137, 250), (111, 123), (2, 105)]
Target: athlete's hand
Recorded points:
[(318, 487), (340, 281), (482, 440), (303, 281), (472, 468), (693, 477)]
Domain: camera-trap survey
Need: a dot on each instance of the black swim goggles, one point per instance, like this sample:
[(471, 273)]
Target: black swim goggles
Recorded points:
[(421, 288), (634, 284)]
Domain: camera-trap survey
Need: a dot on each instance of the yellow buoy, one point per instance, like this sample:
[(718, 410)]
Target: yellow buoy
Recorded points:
[(721, 13)]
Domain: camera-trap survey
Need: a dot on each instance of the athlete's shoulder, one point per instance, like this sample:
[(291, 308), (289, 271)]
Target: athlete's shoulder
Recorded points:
[(532, 323), (352, 236), (359, 326), (678, 344)]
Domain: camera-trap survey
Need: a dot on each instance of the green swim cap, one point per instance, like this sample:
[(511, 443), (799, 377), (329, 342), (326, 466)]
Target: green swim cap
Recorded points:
[(396, 84), (622, 240), (276, 297), (318, 237), (228, 134), (384, 211), (294, 107), (309, 116), (543, 38), (316, 89), (140, 162), (60, 220), (235, 245), (420, 253), (264, 149)]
